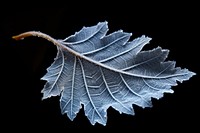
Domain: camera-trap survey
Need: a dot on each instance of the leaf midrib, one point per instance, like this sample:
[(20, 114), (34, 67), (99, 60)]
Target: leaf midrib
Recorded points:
[(114, 69)]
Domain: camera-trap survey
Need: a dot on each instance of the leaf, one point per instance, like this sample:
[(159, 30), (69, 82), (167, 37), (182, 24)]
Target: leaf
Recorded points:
[(100, 71)]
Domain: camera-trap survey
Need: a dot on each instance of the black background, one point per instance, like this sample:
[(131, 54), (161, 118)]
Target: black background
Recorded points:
[(171, 26)]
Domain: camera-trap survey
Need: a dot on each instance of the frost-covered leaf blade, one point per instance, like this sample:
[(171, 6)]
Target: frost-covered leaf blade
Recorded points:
[(55, 76), (70, 98), (88, 38), (100, 71)]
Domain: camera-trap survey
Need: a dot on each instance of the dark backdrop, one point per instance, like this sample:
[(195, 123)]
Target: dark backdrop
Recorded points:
[(23, 63)]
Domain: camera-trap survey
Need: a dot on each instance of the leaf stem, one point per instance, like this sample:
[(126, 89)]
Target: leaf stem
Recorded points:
[(38, 34), (47, 37)]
